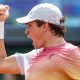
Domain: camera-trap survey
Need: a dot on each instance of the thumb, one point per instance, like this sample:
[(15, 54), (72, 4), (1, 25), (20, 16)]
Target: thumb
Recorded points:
[(7, 7)]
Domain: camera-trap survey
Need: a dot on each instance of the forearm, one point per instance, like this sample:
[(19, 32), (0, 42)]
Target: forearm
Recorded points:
[(2, 46), (6, 63), (2, 49)]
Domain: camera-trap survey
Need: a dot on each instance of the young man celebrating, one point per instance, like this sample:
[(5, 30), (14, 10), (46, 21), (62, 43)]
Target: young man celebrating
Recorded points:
[(53, 58)]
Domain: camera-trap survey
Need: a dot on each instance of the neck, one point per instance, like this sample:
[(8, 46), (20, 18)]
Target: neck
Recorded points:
[(54, 41)]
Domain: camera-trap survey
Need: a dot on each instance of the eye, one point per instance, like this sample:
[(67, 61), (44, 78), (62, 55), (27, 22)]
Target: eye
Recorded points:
[(29, 26)]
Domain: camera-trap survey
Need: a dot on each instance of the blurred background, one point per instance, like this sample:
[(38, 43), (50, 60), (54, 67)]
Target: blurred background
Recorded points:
[(15, 39)]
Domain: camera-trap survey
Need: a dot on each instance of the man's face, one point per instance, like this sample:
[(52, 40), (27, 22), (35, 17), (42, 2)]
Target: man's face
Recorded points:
[(35, 33)]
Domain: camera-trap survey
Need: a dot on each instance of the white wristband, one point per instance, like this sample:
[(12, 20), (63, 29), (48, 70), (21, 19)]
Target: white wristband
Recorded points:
[(2, 30)]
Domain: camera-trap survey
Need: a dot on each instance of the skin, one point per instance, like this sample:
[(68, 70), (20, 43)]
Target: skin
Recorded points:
[(6, 63), (35, 33), (41, 37)]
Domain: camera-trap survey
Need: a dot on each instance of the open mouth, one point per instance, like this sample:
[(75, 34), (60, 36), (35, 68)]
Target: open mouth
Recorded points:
[(32, 42)]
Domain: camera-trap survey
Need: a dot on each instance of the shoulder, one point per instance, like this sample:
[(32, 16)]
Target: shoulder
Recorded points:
[(30, 54), (68, 52), (72, 50)]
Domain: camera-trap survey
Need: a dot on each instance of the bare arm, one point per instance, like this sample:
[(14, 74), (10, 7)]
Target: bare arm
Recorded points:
[(7, 64), (3, 16), (2, 49)]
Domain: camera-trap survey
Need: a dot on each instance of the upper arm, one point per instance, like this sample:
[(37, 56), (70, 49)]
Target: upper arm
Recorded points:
[(16, 64), (8, 65)]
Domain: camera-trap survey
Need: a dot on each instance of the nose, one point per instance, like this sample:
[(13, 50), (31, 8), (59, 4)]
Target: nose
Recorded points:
[(27, 32)]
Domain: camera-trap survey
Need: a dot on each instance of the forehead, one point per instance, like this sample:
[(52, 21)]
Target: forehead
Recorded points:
[(31, 23)]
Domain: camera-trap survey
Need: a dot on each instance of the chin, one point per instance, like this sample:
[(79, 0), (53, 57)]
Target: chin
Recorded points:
[(37, 46)]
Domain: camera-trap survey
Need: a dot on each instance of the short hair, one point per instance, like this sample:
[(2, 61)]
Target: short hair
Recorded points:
[(57, 29)]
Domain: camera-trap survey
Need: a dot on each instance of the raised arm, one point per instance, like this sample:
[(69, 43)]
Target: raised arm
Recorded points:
[(7, 64), (3, 16)]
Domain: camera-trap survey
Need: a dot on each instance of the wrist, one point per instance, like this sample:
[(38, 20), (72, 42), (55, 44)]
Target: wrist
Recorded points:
[(2, 30)]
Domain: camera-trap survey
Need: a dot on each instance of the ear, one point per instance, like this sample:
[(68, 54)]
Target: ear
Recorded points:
[(45, 26)]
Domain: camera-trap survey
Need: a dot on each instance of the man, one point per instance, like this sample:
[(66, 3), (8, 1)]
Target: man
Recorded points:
[(53, 58)]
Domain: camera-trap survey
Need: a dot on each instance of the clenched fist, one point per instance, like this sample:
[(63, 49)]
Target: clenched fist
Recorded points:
[(4, 12)]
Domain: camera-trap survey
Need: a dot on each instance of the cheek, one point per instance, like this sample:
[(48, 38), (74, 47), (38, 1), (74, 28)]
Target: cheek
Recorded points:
[(37, 36), (38, 40)]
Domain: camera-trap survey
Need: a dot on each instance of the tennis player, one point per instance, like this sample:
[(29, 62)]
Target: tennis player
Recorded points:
[(53, 58)]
